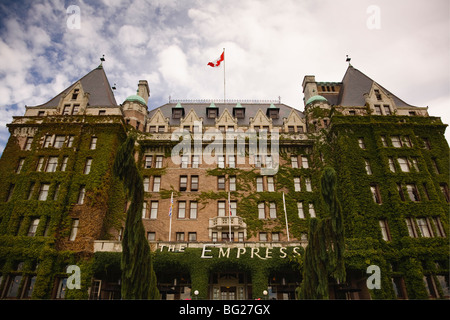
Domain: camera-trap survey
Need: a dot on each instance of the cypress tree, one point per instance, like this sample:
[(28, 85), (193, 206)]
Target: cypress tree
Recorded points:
[(138, 276), (324, 255)]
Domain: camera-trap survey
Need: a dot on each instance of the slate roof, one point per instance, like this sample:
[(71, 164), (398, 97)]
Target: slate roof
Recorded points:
[(355, 84), (96, 84), (250, 111)]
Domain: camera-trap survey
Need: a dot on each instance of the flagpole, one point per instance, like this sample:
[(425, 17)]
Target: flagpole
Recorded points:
[(170, 216), (224, 91), (229, 217), (285, 215)]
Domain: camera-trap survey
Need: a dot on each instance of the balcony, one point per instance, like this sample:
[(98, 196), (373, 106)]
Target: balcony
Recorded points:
[(220, 223)]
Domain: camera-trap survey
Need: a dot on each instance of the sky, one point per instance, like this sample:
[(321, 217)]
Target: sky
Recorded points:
[(270, 45)]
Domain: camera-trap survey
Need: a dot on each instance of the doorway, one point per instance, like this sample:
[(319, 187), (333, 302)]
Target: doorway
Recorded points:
[(230, 286)]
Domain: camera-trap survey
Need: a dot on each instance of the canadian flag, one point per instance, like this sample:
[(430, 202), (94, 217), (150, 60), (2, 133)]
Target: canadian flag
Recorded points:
[(218, 61)]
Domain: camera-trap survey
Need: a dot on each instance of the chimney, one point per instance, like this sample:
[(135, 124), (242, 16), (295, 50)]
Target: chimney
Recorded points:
[(143, 90), (309, 87)]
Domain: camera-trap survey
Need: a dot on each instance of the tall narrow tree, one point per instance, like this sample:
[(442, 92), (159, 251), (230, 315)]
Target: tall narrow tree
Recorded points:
[(138, 276), (324, 255)]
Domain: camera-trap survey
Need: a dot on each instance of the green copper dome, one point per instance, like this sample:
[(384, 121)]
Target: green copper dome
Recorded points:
[(316, 98), (136, 98)]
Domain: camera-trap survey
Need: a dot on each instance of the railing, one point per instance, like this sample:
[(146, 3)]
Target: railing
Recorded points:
[(221, 222), (254, 101)]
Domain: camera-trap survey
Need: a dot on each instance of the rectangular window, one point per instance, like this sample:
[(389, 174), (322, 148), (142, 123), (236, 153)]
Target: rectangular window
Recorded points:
[(180, 236), (294, 161), (275, 236), (232, 161), (184, 161), (269, 163), (221, 208), (192, 236), (146, 181), (151, 236), (312, 212), (220, 161), (144, 210), (384, 230), (301, 214), (33, 227), (40, 164), (439, 228), (183, 183), (47, 141), (403, 163), (193, 210), (257, 161), (375, 193), (414, 163), (156, 183), (74, 231), (30, 191), (233, 208), (81, 195), (444, 189), (20, 165), (387, 110), (412, 192), (361, 143), (43, 191), (305, 163), (272, 210), (411, 228), (148, 162), (154, 209), (426, 143), (263, 236), (400, 192), (232, 183), (221, 183), (308, 184), (214, 236), (87, 166), (407, 141), (181, 209), (377, 109), (261, 211), (368, 168), (424, 227), (259, 184), (55, 195), (28, 143), (435, 165), (270, 184), (194, 183), (391, 164), (70, 141), (159, 161), (383, 141), (51, 164), (195, 161), (297, 186), (64, 163), (93, 145), (59, 142), (396, 143), (377, 94)]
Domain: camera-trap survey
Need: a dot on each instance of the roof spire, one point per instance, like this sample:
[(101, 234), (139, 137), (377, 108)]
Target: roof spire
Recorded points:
[(101, 62), (348, 60)]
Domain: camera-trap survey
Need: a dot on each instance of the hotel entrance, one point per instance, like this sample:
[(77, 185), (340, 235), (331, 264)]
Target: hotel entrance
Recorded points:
[(230, 286)]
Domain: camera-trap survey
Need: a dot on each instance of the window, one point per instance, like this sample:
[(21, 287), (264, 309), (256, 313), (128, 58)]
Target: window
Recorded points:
[(263, 236), (383, 141), (180, 236), (412, 192), (444, 189), (221, 183), (435, 166), (156, 183), (93, 145), (193, 210), (411, 228), (439, 228), (312, 212), (20, 165), (59, 142), (70, 141), (47, 141), (407, 141), (192, 236), (294, 161), (159, 161), (259, 184), (297, 186), (241, 237), (212, 113), (74, 231), (81, 195), (426, 143), (181, 209), (396, 143), (64, 163), (403, 163), (270, 184), (301, 214), (146, 181), (148, 162), (154, 209), (261, 211), (194, 183), (378, 109), (414, 163), (184, 161), (75, 94), (152, 129), (144, 210), (257, 161), (183, 183), (239, 113), (61, 291), (214, 236), (305, 163), (40, 164), (87, 166), (221, 208), (375, 193), (384, 230), (43, 191), (14, 284), (220, 161), (232, 180), (101, 112), (430, 286), (387, 110), (308, 184), (195, 161), (151, 236), (232, 161), (272, 210), (233, 208), (269, 163), (361, 143), (424, 227), (400, 192), (377, 94), (399, 287), (368, 168), (55, 195), (352, 112), (30, 191), (33, 227), (275, 236), (28, 143), (391, 164)]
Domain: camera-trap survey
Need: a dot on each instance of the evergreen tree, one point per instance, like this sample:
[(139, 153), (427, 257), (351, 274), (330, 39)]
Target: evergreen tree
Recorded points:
[(324, 255), (138, 276)]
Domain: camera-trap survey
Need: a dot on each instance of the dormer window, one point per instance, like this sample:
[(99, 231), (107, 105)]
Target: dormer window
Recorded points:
[(239, 111), (273, 112), (178, 111), (212, 111)]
